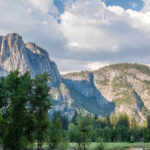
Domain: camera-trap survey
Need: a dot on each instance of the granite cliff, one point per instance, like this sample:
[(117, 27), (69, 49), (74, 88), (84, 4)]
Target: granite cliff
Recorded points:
[(127, 86)]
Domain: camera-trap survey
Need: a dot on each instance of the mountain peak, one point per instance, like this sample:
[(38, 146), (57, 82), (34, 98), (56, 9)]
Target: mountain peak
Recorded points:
[(36, 49), (13, 37)]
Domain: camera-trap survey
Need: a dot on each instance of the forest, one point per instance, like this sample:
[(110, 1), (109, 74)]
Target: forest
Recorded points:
[(25, 122)]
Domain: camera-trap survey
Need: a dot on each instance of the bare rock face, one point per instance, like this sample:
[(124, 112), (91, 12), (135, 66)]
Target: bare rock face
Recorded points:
[(127, 86), (16, 55), (40, 62), (13, 54)]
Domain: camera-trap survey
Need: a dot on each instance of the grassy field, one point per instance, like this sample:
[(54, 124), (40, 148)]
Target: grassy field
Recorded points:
[(108, 146), (115, 145)]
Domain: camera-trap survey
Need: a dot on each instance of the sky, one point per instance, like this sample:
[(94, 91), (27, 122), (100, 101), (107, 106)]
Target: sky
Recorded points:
[(82, 34)]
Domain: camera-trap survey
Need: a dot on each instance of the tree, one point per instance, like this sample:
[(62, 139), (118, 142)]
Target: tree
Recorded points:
[(107, 133), (107, 121), (113, 120), (24, 104), (3, 111), (82, 132), (74, 117), (133, 123), (17, 88), (123, 120), (54, 136), (148, 126), (40, 105), (64, 119)]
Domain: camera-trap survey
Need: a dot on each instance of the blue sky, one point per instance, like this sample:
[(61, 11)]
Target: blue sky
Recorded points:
[(60, 5), (89, 35), (126, 4)]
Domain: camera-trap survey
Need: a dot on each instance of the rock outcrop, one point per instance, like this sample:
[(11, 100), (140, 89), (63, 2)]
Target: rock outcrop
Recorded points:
[(127, 86), (16, 55)]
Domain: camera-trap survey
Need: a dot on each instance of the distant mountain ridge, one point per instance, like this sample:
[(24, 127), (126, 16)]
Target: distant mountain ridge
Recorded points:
[(111, 89), (127, 86)]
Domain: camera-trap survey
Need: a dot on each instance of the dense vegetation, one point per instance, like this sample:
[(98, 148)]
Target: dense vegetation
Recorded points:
[(24, 105), (86, 129), (24, 120)]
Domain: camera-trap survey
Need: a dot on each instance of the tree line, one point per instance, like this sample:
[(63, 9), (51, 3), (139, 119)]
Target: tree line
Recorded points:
[(86, 129), (24, 105), (25, 121)]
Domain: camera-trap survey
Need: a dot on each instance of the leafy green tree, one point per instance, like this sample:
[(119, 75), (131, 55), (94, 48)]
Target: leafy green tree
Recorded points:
[(82, 132), (113, 120), (40, 105), (148, 126), (107, 133), (54, 136), (74, 119), (18, 88), (24, 104), (133, 123), (64, 119), (3, 111), (107, 121), (123, 120), (145, 134)]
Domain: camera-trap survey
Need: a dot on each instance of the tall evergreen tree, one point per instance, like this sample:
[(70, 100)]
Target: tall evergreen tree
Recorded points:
[(24, 104), (41, 104), (133, 123), (54, 136)]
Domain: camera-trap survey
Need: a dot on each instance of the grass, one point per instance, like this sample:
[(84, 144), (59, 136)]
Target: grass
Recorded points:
[(115, 145), (108, 146)]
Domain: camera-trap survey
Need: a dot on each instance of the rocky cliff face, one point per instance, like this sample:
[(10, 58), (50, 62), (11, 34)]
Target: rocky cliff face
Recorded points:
[(16, 55), (127, 86)]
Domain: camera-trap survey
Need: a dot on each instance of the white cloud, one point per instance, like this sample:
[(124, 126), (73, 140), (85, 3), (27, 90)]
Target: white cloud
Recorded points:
[(90, 25), (45, 22), (96, 65), (84, 25), (146, 7), (43, 5), (89, 36)]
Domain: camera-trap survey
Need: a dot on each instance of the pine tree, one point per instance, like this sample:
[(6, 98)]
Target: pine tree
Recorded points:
[(133, 123), (41, 104), (54, 136)]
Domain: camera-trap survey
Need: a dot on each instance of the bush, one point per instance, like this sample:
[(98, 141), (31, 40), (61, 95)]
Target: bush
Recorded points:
[(100, 146), (63, 145)]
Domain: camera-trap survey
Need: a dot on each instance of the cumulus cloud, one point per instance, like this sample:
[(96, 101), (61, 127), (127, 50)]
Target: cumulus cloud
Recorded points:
[(91, 26), (96, 65), (110, 34), (43, 5), (89, 35), (146, 7), (28, 18)]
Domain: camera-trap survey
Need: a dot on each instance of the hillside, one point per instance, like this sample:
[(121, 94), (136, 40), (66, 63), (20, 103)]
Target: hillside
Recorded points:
[(127, 86)]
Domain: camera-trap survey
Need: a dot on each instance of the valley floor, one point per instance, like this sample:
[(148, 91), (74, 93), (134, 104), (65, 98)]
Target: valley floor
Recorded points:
[(117, 145), (110, 146)]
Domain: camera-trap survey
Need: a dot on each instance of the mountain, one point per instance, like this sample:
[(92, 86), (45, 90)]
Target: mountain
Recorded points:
[(111, 89), (16, 55), (127, 86)]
